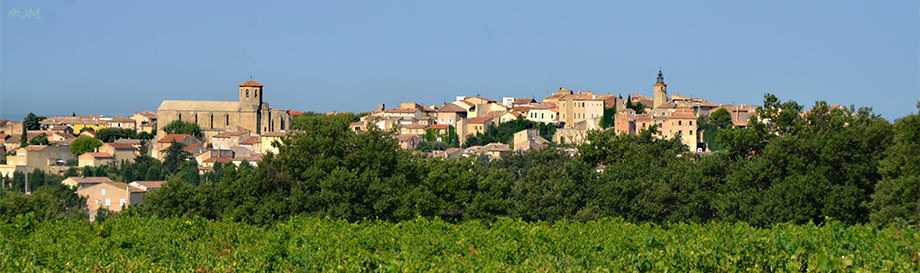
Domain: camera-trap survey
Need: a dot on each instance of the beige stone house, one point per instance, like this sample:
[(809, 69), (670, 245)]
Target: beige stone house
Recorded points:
[(120, 151), (544, 112), (267, 139), (41, 157), (96, 159), (112, 196), (529, 139), (147, 185), (577, 107), (160, 146), (249, 113), (228, 139), (449, 114), (10, 127), (80, 182), (145, 121)]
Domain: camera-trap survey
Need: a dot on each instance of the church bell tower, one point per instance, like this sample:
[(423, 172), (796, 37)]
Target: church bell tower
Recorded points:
[(661, 91), (251, 94)]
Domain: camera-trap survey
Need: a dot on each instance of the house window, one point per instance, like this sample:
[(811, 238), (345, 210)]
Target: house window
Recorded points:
[(103, 192), (97, 202), (691, 132), (108, 202), (679, 122), (122, 203), (691, 123), (247, 93)]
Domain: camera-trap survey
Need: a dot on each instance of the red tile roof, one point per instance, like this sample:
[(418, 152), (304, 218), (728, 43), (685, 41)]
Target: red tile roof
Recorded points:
[(296, 113), (190, 147), (118, 146), (99, 155), (150, 184), (218, 159), (251, 83), (481, 119), (90, 180), (251, 140), (438, 126), (169, 138)]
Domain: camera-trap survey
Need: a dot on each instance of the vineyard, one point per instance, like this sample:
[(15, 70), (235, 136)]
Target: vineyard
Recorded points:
[(136, 244)]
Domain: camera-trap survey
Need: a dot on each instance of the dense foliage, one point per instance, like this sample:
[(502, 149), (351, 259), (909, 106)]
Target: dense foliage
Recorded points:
[(83, 145), (135, 244), (112, 134), (504, 133), (784, 168), (182, 127)]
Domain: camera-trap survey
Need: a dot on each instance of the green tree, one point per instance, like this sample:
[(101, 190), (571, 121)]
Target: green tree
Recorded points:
[(896, 195), (83, 145), (112, 134), (23, 138), (608, 119), (31, 122), (41, 139), (175, 156), (182, 127)]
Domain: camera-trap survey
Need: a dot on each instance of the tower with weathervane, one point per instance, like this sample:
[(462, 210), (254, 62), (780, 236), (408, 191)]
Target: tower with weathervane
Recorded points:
[(661, 91)]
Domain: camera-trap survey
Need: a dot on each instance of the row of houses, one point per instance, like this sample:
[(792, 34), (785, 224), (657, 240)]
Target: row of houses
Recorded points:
[(573, 112)]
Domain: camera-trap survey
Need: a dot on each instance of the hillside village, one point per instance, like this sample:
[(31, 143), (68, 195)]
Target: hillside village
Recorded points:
[(242, 131)]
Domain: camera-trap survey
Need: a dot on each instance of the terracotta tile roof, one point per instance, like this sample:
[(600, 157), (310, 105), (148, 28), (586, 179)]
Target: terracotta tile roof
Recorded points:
[(34, 148), (64, 135), (438, 126), (521, 108), (251, 83), (545, 105), (150, 184), (406, 137), (148, 114), (682, 115), (295, 113), (90, 180), (99, 155), (523, 100), (218, 159), (177, 137), (190, 147), (450, 107), (414, 126), (273, 134), (121, 185), (481, 119), (121, 146), (251, 140), (229, 134), (400, 110)]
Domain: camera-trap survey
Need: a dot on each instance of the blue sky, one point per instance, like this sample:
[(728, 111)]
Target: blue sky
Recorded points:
[(120, 57)]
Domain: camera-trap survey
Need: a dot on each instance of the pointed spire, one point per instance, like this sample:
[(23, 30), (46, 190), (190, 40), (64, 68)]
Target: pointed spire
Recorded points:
[(660, 77)]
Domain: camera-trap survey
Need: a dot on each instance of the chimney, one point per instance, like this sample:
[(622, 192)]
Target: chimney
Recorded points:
[(381, 107)]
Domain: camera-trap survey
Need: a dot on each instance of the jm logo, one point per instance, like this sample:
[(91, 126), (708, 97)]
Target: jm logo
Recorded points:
[(25, 14)]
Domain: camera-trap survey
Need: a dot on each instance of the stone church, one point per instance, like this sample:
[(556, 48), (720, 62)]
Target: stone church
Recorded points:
[(250, 113)]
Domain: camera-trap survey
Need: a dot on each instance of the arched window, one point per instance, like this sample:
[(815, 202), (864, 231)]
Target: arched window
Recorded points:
[(256, 93), (180, 116), (247, 93)]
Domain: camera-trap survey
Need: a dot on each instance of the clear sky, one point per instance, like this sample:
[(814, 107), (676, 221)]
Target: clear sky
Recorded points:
[(120, 57)]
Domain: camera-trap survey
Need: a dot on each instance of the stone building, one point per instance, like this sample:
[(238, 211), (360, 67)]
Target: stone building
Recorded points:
[(250, 113)]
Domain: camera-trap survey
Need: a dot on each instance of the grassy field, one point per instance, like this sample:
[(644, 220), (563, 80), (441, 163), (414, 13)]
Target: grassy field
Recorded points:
[(134, 244)]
